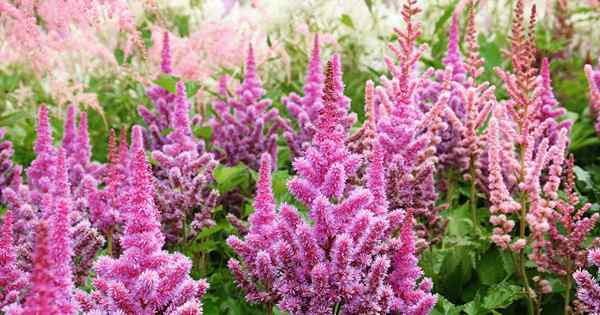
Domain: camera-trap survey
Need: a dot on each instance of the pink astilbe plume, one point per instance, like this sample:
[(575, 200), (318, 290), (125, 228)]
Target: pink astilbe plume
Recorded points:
[(350, 257), (564, 250), (12, 279), (305, 109), (44, 190), (8, 170), (588, 289), (145, 279), (593, 77), (184, 173), (244, 126), (410, 133)]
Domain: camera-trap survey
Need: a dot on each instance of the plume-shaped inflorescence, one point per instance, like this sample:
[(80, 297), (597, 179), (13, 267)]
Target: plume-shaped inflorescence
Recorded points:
[(588, 289), (184, 174), (305, 109), (50, 284), (13, 280), (43, 191), (8, 170), (244, 126), (409, 133), (351, 258), (145, 279), (593, 77)]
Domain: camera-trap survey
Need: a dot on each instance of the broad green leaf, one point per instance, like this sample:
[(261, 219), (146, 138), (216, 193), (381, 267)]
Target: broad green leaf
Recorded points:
[(502, 295), (489, 269), (347, 20), (230, 177)]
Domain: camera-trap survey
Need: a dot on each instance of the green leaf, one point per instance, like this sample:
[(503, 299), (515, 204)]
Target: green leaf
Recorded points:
[(347, 20), (445, 307), (167, 82), (488, 270), (502, 295), (204, 132), (183, 24), (119, 55), (229, 178), (191, 88)]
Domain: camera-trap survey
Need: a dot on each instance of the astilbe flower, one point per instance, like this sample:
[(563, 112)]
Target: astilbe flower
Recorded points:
[(350, 259), (526, 148), (164, 104), (145, 279), (51, 278), (305, 109), (13, 280), (184, 174), (410, 134), (30, 202), (8, 170), (588, 289), (244, 127), (593, 77)]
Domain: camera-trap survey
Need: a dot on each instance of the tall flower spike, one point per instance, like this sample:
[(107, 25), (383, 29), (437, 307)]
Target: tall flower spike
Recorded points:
[(165, 64), (588, 289), (144, 279), (9, 172), (12, 279), (593, 78), (305, 109), (244, 127)]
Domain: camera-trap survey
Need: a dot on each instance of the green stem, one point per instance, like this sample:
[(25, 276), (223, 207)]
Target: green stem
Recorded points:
[(473, 197), (450, 189), (109, 241), (568, 294), (270, 308)]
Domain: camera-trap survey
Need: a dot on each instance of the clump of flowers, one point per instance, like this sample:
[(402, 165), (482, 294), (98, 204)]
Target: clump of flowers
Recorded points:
[(184, 173), (50, 284), (244, 126), (305, 109), (32, 201), (526, 148), (8, 170), (12, 279), (350, 260), (145, 278), (593, 77), (588, 290), (409, 134), (184, 168)]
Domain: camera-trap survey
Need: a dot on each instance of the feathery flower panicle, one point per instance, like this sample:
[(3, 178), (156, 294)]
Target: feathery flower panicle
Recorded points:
[(13, 280), (593, 78), (145, 279), (588, 289), (46, 188), (563, 250), (8, 170), (410, 132), (244, 126), (184, 174), (349, 257)]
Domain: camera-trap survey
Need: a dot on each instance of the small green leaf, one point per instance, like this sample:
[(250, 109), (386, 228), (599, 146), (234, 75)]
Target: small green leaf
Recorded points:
[(119, 55), (203, 132), (347, 20), (167, 82), (502, 295), (229, 178)]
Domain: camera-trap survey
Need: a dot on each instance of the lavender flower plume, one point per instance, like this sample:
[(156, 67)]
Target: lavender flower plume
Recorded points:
[(184, 174), (305, 109), (349, 257), (593, 77), (588, 290), (12, 279), (8, 170), (244, 126), (145, 279)]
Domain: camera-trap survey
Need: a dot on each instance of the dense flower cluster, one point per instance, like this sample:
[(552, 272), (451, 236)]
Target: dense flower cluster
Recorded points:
[(588, 290), (244, 126), (8, 170), (145, 279), (350, 257), (593, 77), (34, 200)]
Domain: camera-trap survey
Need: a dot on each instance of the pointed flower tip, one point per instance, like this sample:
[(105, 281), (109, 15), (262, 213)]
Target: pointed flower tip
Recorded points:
[(166, 54), (137, 138)]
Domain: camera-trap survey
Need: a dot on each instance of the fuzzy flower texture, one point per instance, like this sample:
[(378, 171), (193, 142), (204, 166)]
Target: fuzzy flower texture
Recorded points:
[(350, 259)]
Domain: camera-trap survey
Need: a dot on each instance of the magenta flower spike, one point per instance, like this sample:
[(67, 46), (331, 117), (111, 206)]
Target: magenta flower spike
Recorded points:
[(244, 126), (184, 173), (145, 279), (40, 172), (12, 279), (305, 109), (349, 256), (10, 173), (593, 77), (165, 65)]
